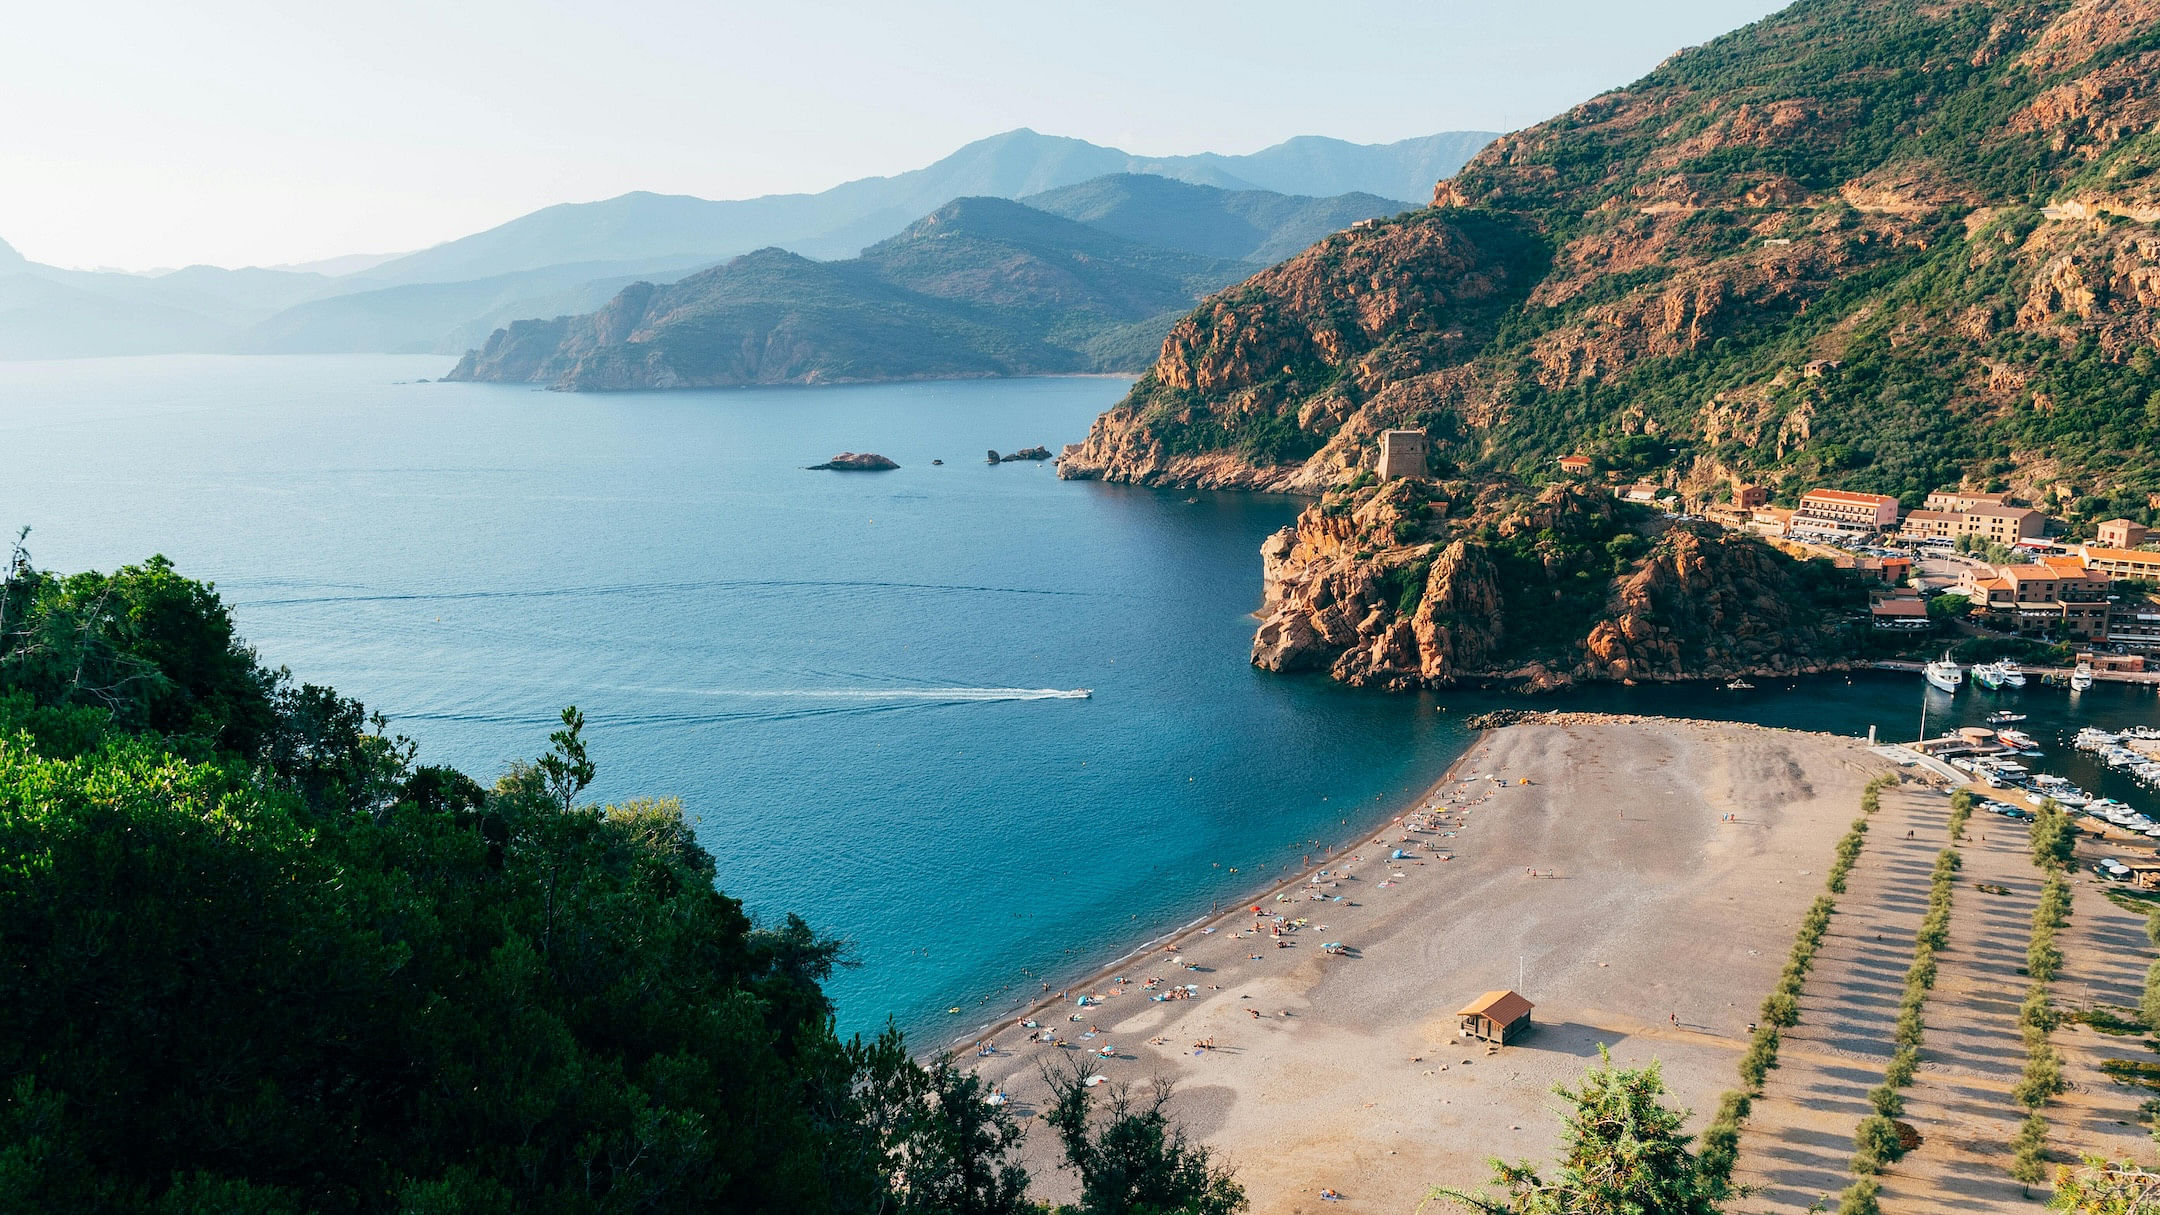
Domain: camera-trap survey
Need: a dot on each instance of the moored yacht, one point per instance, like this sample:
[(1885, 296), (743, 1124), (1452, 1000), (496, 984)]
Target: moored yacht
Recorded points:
[(2012, 674), (2082, 678), (1987, 674), (1944, 674)]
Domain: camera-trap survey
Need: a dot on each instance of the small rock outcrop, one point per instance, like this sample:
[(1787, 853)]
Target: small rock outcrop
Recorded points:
[(1415, 584), (855, 461), (1025, 453)]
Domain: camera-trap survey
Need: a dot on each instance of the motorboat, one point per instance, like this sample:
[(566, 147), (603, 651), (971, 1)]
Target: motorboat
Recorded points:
[(2082, 678), (2012, 674), (1944, 674), (1739, 685), (2004, 718), (2017, 740), (1987, 675)]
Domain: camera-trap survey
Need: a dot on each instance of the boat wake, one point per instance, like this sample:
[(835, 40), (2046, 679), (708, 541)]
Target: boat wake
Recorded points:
[(955, 695), (773, 704)]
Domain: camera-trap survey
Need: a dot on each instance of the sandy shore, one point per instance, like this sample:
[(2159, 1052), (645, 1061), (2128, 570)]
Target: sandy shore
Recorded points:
[(1673, 861)]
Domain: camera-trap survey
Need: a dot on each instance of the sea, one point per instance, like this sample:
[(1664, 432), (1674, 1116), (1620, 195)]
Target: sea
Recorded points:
[(991, 728)]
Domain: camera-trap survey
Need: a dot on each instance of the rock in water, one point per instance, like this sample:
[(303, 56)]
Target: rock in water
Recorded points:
[(850, 461), (1025, 453), (993, 456)]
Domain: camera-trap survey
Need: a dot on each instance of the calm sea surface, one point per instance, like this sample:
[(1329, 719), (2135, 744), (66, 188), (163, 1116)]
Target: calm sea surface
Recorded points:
[(851, 679)]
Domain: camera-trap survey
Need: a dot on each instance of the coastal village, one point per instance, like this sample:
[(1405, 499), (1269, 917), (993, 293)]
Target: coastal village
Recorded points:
[(2012, 565)]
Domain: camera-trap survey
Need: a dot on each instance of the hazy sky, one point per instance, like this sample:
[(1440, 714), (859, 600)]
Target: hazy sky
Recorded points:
[(142, 133)]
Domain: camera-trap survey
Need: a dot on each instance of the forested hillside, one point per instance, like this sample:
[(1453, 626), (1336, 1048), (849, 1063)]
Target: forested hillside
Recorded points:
[(1881, 243), (255, 957)]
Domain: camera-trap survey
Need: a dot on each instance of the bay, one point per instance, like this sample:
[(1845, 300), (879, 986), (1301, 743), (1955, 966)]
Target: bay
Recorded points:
[(859, 683)]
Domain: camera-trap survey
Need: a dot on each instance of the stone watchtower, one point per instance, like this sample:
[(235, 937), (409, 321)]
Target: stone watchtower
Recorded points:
[(1402, 454)]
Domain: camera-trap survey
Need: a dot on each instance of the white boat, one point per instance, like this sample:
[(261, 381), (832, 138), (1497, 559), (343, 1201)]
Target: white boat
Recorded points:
[(2017, 740), (2004, 718), (2012, 674), (1987, 675), (2082, 678), (1944, 674)]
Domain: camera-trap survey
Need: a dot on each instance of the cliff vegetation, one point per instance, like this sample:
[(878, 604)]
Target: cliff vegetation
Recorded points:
[(1414, 584), (1886, 244)]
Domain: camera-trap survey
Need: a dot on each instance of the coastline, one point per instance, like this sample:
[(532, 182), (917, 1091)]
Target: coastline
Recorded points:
[(1637, 878), (1098, 974)]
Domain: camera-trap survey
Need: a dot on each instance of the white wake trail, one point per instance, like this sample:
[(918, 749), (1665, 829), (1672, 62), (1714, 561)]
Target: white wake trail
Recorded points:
[(871, 694)]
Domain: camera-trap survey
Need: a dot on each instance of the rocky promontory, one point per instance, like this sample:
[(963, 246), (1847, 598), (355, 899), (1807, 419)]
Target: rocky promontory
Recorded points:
[(1416, 584), (855, 461)]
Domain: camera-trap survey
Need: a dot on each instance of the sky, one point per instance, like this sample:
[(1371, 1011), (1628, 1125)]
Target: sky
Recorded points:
[(144, 133)]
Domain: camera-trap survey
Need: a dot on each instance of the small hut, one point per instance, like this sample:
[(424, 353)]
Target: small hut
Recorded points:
[(1496, 1016)]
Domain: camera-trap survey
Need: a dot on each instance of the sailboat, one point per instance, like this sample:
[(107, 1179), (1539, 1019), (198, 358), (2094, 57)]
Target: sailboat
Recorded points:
[(1944, 673)]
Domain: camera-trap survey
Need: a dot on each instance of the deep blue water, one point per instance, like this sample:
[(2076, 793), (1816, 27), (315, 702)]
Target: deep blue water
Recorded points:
[(844, 676)]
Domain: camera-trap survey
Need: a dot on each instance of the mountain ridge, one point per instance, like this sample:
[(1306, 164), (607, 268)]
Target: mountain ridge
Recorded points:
[(841, 221), (976, 303), (980, 287), (1879, 245)]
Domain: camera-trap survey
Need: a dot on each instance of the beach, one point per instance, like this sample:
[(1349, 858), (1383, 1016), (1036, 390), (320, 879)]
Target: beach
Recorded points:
[(1639, 880)]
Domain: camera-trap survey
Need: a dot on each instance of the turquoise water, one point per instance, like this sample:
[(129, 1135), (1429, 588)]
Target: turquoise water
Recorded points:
[(849, 678), (842, 674)]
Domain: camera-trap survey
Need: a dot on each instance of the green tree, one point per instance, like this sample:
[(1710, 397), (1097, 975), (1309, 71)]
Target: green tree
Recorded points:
[(1623, 1153), (1129, 1157), (252, 960)]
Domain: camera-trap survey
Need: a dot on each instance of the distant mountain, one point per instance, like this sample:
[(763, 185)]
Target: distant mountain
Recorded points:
[(47, 312), (572, 258), (840, 221), (41, 318), (980, 287), (445, 318), (1258, 226), (1316, 165)]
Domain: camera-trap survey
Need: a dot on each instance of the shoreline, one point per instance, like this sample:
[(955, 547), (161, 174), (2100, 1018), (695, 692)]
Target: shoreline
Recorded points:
[(1636, 877), (1155, 944), (1099, 974)]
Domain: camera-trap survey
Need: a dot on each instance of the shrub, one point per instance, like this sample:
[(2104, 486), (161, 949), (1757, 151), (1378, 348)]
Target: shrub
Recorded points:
[(1961, 808), (2042, 1079), (1904, 1064), (1761, 1056), (1886, 1099), (1720, 1144), (2028, 1163), (1859, 1198), (1875, 1144)]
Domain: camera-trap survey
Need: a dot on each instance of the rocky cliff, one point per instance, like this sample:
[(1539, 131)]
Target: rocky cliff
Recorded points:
[(1422, 584), (1892, 244)]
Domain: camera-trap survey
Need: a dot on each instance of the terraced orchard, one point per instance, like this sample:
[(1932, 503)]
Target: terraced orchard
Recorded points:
[(1944, 1041)]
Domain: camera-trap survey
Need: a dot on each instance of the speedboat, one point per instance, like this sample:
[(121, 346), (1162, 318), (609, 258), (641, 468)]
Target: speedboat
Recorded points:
[(2082, 678), (2012, 674), (1944, 674), (2004, 718), (1987, 675), (2016, 740)]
